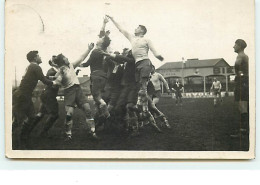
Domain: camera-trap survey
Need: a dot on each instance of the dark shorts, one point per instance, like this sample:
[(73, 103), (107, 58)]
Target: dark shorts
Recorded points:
[(216, 92), (178, 94), (241, 91), (22, 106), (143, 70), (128, 94), (157, 94), (98, 84), (49, 104), (74, 96), (115, 93)]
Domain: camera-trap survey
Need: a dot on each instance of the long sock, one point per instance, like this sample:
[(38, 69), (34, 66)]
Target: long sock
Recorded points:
[(49, 123), (68, 127), (91, 124)]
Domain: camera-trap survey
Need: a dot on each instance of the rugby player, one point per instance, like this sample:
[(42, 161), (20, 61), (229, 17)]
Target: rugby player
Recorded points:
[(49, 103), (157, 79), (177, 88), (241, 91), (140, 48), (98, 75), (216, 89), (22, 105), (129, 94), (73, 95)]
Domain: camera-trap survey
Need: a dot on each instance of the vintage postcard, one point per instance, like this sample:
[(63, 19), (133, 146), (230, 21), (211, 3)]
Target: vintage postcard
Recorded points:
[(117, 79)]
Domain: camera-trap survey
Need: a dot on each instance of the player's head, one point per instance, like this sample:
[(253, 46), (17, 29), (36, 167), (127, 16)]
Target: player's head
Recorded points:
[(61, 60), (140, 30), (117, 52), (51, 61), (215, 79), (240, 45), (33, 56), (177, 80), (103, 42), (125, 51)]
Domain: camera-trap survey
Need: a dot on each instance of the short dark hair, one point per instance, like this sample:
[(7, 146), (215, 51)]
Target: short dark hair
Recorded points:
[(106, 42), (51, 61), (129, 54), (241, 43), (31, 55), (143, 28), (59, 61)]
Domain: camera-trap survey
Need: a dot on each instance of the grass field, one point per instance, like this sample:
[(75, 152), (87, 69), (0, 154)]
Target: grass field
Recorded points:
[(196, 126)]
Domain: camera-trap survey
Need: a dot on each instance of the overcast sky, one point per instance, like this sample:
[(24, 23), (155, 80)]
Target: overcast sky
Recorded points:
[(189, 28)]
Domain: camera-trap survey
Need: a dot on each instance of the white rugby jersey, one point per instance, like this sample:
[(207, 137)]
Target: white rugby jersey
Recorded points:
[(66, 76)]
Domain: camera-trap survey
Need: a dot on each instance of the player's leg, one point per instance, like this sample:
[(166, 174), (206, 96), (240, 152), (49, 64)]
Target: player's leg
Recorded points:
[(215, 97), (98, 84), (131, 119), (83, 104), (120, 108), (157, 97), (155, 111), (177, 98), (52, 107), (39, 116), (68, 122), (69, 101)]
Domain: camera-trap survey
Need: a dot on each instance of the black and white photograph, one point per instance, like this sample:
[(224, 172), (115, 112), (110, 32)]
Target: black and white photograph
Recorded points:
[(121, 79)]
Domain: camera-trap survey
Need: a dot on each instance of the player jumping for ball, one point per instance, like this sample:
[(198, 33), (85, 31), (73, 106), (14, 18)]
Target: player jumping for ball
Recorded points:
[(73, 94), (143, 65)]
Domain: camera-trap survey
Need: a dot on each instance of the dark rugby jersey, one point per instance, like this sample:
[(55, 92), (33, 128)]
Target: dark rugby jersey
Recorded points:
[(177, 87), (95, 61), (50, 90), (31, 77), (114, 73), (129, 69)]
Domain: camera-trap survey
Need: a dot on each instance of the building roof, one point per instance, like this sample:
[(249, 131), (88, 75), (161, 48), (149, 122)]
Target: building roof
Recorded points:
[(193, 63), (202, 63), (170, 65)]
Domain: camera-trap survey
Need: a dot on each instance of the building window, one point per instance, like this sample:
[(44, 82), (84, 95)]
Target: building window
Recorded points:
[(223, 70)]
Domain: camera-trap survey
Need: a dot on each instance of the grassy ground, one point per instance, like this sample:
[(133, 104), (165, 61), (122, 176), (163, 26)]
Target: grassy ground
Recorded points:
[(196, 126)]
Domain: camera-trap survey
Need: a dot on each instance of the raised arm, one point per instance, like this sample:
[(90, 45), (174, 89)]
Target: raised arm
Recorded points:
[(84, 56), (119, 58), (102, 32), (162, 79), (155, 53), (41, 77), (119, 27)]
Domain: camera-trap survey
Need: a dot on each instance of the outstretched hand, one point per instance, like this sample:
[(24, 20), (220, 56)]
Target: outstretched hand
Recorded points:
[(91, 46), (108, 16), (160, 57)]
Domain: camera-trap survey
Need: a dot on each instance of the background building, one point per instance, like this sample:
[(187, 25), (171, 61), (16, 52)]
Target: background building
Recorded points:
[(197, 75)]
